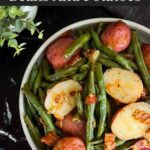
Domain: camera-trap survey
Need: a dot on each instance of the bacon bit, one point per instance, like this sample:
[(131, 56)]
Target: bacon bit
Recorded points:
[(57, 98), (142, 116), (147, 135), (140, 145), (129, 56), (74, 60), (59, 123), (109, 141), (67, 33), (91, 99), (50, 139), (89, 53), (72, 93)]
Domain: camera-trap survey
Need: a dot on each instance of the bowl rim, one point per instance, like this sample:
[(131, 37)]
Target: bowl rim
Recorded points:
[(43, 47)]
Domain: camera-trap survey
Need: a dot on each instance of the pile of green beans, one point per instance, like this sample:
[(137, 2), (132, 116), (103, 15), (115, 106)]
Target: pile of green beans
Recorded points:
[(89, 72)]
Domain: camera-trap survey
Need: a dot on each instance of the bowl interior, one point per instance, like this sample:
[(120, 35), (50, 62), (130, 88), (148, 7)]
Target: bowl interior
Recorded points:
[(143, 34)]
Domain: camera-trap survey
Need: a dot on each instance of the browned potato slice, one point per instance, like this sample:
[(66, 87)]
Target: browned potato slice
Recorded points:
[(131, 121), (124, 86)]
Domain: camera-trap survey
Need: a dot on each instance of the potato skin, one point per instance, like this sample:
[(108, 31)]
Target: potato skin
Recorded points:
[(117, 36), (122, 85), (73, 128), (125, 126), (70, 143), (146, 55), (55, 52)]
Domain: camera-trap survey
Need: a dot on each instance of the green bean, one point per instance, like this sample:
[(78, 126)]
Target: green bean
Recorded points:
[(130, 48), (133, 65), (41, 95), (48, 85), (62, 74), (99, 146), (108, 63), (79, 76), (32, 110), (140, 61), (32, 76), (76, 45), (46, 68), (84, 68), (97, 142), (126, 145), (119, 142), (109, 113), (103, 100), (99, 28), (116, 57), (96, 39), (28, 111), (40, 109), (112, 54), (85, 89), (90, 113), (37, 80), (79, 104), (35, 133)]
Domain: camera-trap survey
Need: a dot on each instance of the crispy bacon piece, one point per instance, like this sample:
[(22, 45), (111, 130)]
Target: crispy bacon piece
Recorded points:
[(90, 99), (147, 135), (141, 145), (142, 116), (50, 139), (109, 141), (74, 60)]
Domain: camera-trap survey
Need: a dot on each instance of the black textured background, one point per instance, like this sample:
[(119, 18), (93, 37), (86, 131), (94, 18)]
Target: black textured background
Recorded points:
[(12, 69)]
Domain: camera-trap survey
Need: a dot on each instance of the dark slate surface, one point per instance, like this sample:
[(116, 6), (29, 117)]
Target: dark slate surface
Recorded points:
[(12, 69)]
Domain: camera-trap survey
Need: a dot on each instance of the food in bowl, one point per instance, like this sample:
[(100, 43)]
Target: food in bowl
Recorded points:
[(90, 91)]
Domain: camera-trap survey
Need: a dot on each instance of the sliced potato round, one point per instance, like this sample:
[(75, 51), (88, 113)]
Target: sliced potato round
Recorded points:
[(126, 125), (60, 99), (124, 86)]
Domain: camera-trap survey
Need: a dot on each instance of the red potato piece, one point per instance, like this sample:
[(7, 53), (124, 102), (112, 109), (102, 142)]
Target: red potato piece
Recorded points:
[(141, 145), (55, 52), (117, 36), (70, 143), (73, 128), (146, 55)]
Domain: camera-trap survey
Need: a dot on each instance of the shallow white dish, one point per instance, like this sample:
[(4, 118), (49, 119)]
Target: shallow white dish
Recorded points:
[(144, 34)]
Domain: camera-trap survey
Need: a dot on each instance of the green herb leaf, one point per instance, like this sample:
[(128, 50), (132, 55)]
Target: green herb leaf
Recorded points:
[(40, 36), (13, 43), (15, 11), (38, 23), (2, 42), (9, 35), (32, 30), (19, 25), (3, 13)]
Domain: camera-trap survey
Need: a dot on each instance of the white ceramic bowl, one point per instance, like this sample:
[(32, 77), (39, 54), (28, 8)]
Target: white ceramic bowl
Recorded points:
[(143, 32)]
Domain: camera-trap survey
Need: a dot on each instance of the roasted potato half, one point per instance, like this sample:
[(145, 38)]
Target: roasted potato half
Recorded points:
[(131, 122), (60, 100), (124, 86)]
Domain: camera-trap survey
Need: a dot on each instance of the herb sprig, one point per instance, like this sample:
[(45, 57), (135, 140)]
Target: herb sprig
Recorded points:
[(13, 17)]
